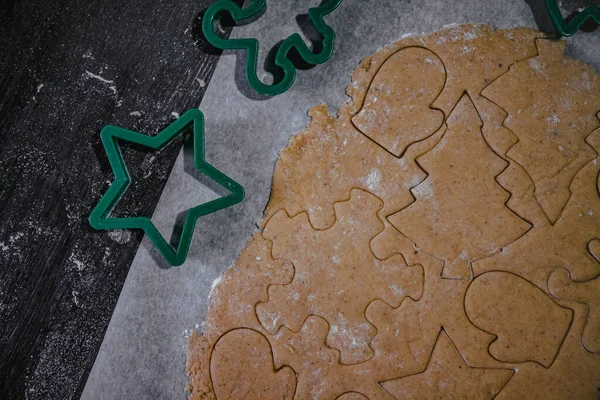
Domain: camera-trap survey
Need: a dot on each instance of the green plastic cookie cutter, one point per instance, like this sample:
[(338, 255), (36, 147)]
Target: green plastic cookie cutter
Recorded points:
[(99, 218), (216, 11), (564, 29)]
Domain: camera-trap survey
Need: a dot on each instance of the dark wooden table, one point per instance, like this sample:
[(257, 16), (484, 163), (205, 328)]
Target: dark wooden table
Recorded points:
[(67, 68)]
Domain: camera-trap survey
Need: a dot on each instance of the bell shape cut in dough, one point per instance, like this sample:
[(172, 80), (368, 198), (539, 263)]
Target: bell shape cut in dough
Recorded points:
[(396, 111), (575, 374), (529, 326), (459, 214)]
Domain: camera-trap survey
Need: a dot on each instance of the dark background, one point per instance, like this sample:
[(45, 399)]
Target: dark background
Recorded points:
[(60, 279), (67, 68)]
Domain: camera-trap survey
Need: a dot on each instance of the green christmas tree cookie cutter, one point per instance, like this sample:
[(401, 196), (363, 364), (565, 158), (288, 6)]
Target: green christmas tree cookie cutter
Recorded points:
[(99, 218), (316, 14), (564, 29)]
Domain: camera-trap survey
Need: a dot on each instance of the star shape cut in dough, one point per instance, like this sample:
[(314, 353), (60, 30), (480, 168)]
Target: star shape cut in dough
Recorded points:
[(447, 376), (99, 218)]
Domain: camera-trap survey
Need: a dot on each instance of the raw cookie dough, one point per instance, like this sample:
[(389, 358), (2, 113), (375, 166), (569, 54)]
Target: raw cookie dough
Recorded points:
[(440, 237)]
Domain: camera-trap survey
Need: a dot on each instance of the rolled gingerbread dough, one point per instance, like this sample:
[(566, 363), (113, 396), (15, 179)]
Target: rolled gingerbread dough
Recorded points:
[(438, 238)]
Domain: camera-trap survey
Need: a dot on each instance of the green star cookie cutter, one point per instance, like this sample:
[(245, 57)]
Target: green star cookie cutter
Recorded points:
[(316, 14), (564, 29), (99, 218)]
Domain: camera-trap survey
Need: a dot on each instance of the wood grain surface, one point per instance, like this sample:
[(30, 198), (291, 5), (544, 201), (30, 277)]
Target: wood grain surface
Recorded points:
[(67, 68)]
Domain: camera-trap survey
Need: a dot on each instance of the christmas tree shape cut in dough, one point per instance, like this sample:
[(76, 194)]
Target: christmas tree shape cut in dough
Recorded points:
[(568, 243), (552, 102), (447, 376), (459, 213), (396, 112)]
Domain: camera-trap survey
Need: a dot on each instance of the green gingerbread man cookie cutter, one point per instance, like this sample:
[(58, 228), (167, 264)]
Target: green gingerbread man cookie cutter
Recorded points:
[(239, 15), (564, 29), (99, 218)]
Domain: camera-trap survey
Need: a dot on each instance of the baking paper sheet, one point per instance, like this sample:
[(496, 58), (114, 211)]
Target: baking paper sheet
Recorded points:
[(143, 353)]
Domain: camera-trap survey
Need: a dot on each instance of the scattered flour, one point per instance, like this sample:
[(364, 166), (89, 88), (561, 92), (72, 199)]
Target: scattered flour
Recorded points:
[(120, 236), (77, 263), (373, 179), (535, 64), (103, 80), (215, 284), (553, 120), (75, 298), (13, 238)]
